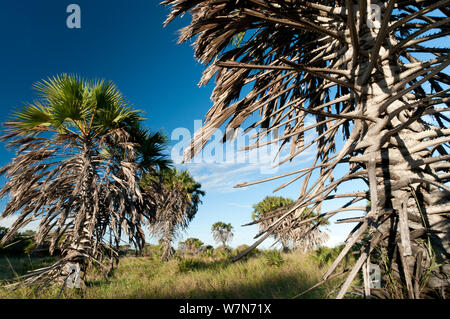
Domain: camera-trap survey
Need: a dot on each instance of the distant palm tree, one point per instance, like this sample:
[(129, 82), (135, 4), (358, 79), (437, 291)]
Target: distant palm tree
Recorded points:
[(367, 81), (306, 236), (176, 196), (191, 245), (76, 170), (222, 232)]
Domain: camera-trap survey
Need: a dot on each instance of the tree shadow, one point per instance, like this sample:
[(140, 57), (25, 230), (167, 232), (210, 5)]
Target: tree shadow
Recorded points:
[(193, 264), (12, 267), (280, 286)]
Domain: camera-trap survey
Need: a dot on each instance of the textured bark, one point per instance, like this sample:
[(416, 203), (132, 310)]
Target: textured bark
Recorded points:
[(167, 239), (81, 244), (407, 189), (304, 60)]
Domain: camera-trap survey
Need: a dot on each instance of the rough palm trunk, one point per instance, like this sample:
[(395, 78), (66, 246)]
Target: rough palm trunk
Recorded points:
[(167, 238), (406, 192), (81, 246)]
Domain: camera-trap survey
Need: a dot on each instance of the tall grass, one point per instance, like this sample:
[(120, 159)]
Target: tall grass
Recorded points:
[(264, 276)]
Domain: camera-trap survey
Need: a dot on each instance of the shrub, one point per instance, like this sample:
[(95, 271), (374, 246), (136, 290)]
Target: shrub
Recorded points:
[(30, 247), (188, 264), (325, 255), (191, 246), (208, 251), (222, 252), (152, 251), (21, 244), (273, 258)]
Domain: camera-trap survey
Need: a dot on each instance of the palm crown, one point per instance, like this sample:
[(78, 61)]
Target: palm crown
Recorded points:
[(292, 232)]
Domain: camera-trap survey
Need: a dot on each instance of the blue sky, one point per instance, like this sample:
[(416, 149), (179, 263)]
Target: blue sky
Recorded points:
[(124, 41)]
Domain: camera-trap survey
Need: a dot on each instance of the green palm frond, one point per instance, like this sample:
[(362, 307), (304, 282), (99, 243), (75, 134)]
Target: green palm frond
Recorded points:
[(151, 148), (111, 109), (31, 116), (71, 104)]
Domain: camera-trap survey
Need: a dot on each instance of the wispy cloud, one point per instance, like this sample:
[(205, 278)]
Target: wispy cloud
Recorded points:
[(219, 167), (222, 177)]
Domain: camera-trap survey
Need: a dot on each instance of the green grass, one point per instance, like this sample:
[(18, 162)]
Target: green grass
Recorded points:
[(282, 276)]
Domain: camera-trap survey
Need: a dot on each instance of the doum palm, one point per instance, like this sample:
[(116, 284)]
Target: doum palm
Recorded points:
[(75, 171)]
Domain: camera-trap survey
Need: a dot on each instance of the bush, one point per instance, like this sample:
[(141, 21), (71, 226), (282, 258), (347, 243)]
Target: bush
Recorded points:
[(20, 244), (188, 264), (273, 258), (222, 252), (191, 246), (30, 248), (207, 251), (152, 251), (326, 256)]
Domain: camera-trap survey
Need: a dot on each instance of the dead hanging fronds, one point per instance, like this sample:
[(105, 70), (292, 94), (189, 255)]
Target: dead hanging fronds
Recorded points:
[(366, 83), (78, 178), (176, 197)]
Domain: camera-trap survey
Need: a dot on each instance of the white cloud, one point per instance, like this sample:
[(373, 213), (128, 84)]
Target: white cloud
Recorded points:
[(219, 167), (334, 240)]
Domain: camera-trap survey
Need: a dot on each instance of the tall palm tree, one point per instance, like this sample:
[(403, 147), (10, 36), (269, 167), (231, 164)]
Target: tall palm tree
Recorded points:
[(176, 196), (368, 73), (306, 236), (76, 170), (222, 232)]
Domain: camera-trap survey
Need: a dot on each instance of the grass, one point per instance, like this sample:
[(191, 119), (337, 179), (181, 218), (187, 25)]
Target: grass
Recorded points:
[(10, 267), (263, 276)]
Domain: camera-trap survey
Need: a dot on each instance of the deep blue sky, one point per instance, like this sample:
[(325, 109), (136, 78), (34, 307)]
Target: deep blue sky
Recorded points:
[(124, 41)]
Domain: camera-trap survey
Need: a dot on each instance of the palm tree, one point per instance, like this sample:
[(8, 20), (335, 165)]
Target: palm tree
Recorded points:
[(75, 169), (307, 236), (191, 245), (176, 196), (222, 233), (338, 72)]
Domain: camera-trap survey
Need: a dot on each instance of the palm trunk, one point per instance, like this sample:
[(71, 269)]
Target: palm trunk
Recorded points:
[(405, 200), (167, 241), (81, 245)]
